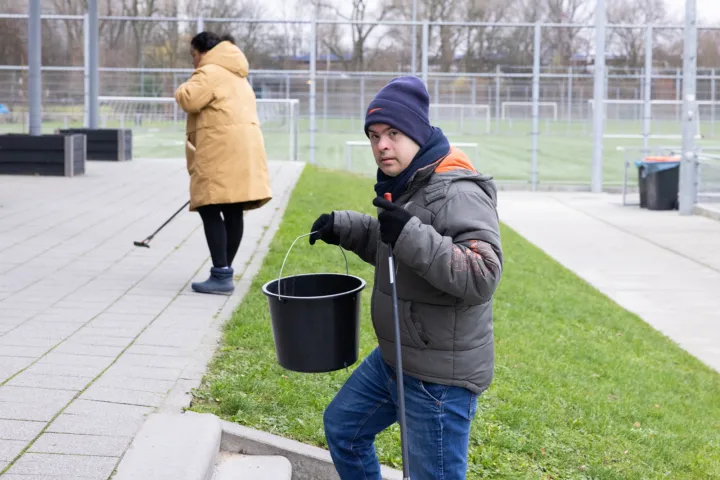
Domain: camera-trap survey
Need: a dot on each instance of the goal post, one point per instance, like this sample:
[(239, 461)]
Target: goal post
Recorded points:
[(552, 107), (461, 119), (279, 118)]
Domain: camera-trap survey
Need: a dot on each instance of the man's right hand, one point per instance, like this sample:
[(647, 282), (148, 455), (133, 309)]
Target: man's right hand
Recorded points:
[(323, 230)]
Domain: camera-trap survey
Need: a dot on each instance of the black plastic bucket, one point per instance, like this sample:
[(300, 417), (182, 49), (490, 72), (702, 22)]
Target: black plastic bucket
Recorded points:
[(315, 320)]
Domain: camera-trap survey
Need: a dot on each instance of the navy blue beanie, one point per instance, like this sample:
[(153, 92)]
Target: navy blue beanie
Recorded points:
[(402, 104)]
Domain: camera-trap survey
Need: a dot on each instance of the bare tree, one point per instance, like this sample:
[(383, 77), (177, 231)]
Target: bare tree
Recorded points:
[(331, 35), (561, 43), (630, 42)]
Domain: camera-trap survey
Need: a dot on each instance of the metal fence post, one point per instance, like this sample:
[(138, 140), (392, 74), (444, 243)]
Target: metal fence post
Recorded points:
[(596, 179), (35, 68), (313, 54), (688, 163), (535, 105)]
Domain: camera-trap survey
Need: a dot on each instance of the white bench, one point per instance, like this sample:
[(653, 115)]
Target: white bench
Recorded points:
[(360, 143)]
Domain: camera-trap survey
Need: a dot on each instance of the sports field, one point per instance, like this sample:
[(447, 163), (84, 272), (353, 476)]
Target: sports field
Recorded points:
[(564, 150)]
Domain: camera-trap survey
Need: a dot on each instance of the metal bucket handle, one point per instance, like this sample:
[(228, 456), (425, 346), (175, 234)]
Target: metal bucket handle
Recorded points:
[(347, 269)]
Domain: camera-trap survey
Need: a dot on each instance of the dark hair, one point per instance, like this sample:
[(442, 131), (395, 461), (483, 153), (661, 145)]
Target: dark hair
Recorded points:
[(206, 41)]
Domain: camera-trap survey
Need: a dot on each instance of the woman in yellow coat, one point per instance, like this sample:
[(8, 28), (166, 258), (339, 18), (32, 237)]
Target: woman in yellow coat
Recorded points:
[(225, 151)]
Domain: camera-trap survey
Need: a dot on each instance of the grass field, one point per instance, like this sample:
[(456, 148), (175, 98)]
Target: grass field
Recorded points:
[(583, 389), (564, 149)]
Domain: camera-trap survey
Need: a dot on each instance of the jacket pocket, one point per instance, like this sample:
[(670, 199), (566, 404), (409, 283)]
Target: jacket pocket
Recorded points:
[(413, 327)]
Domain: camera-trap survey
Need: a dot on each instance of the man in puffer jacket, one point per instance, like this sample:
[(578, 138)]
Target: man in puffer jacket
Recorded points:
[(444, 230)]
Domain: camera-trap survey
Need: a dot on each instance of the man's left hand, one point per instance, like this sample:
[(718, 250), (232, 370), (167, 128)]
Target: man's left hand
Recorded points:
[(392, 220)]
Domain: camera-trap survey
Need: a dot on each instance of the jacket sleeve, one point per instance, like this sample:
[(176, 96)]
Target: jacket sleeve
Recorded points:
[(466, 261), (196, 93), (358, 233)]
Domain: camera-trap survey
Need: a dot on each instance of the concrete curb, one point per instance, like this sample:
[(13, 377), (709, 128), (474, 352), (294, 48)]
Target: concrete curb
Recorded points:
[(173, 447), (706, 211), (188, 446), (308, 462)]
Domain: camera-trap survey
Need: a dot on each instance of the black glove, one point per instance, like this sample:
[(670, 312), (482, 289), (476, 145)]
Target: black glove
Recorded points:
[(392, 220), (323, 228)]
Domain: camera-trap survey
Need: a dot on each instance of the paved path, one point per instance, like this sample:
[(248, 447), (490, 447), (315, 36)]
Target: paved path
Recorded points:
[(662, 266), (95, 333)]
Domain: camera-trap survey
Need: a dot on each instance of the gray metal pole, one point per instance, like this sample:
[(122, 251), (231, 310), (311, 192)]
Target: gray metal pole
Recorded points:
[(313, 55), (414, 39), (535, 105), (94, 83), (713, 94), (648, 87), (599, 96), (497, 96), (425, 46), (688, 164), (570, 97), (200, 25), (35, 68), (86, 65)]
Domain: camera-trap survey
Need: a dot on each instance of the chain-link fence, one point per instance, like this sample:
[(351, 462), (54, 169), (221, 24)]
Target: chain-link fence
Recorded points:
[(478, 97)]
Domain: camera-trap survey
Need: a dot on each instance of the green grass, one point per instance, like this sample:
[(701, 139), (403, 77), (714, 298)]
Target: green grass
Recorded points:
[(583, 389)]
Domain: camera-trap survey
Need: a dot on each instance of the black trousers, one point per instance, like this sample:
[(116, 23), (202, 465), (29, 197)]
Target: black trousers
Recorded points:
[(223, 225)]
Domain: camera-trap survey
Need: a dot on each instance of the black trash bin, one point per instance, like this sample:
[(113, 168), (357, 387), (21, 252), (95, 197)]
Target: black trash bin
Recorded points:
[(658, 182)]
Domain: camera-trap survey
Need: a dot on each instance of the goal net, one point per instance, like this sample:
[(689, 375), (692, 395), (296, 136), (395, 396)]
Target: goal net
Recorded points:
[(459, 119), (523, 110), (159, 121)]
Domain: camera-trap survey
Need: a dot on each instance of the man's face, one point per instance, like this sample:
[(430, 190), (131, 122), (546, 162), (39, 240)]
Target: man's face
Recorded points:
[(196, 57), (392, 149)]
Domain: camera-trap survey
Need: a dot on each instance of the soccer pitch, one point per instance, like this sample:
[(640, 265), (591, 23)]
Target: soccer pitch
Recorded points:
[(564, 150)]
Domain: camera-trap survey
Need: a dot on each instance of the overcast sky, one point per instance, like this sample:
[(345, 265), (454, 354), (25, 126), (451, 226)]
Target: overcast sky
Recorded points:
[(707, 10)]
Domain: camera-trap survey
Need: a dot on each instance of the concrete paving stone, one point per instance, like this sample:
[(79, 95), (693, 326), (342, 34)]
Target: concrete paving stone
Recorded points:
[(28, 411), (134, 383), (41, 368), (129, 327), (116, 331), (57, 358), (123, 395), (64, 328), (98, 339), (20, 430), (39, 396), (14, 363), (9, 476), (69, 444), (169, 337), (9, 449), (126, 426), (159, 351), (56, 382), (122, 318), (151, 373), (105, 409), (19, 338), (153, 361), (99, 468), (76, 348), (13, 351)]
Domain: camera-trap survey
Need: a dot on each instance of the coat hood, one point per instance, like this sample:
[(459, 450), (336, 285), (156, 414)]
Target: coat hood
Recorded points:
[(228, 56)]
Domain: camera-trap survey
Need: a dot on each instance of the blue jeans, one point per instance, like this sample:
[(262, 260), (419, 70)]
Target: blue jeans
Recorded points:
[(438, 423)]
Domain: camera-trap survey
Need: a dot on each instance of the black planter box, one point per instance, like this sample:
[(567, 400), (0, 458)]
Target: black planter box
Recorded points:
[(52, 155), (106, 144)]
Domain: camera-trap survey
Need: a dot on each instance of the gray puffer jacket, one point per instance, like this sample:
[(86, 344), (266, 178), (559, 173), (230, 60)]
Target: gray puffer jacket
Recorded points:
[(448, 262)]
